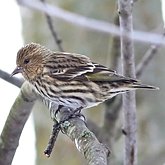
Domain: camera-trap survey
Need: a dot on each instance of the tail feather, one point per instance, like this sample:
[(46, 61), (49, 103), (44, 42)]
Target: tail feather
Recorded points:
[(143, 86)]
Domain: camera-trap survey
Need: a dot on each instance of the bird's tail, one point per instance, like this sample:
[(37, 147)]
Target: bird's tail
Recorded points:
[(143, 86)]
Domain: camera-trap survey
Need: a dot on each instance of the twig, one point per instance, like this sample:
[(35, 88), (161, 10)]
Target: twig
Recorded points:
[(129, 103), (112, 106), (55, 131), (90, 23), (146, 59), (54, 34), (12, 80)]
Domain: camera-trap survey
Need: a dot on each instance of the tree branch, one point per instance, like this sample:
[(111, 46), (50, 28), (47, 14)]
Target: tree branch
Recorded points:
[(15, 122), (53, 32), (85, 141), (90, 23), (129, 103), (147, 57), (12, 80)]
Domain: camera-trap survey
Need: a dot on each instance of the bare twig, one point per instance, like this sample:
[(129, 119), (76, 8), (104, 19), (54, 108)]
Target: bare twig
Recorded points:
[(146, 59), (91, 23), (129, 103), (112, 106), (54, 34), (13, 80), (55, 131), (15, 122)]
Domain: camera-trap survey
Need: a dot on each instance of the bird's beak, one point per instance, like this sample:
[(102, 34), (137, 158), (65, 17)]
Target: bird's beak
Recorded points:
[(16, 71)]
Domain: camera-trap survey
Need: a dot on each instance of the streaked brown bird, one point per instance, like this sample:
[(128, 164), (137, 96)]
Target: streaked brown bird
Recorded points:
[(70, 80)]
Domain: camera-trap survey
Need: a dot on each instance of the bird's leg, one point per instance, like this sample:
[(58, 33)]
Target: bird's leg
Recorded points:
[(58, 110), (55, 131), (76, 113), (73, 114)]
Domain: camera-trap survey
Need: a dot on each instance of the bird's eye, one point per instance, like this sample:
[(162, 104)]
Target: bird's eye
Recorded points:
[(26, 61)]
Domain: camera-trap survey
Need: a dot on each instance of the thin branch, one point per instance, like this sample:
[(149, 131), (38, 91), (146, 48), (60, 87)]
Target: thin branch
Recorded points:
[(90, 23), (12, 80), (54, 34), (151, 52), (112, 105), (129, 103), (146, 59), (19, 113)]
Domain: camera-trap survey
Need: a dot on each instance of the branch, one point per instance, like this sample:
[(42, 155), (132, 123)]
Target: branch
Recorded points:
[(12, 80), (151, 52), (85, 141), (129, 103), (15, 122), (54, 34), (146, 59), (90, 23)]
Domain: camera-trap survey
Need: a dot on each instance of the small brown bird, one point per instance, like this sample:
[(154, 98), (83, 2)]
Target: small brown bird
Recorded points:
[(70, 80)]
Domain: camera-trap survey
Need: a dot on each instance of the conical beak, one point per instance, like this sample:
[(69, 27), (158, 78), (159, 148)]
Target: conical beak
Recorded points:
[(16, 71)]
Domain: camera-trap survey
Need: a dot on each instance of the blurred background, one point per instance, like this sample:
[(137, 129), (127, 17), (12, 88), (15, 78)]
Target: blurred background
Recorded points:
[(21, 25)]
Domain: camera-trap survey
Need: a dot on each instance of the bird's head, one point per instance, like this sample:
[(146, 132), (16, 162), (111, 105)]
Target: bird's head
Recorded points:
[(30, 61)]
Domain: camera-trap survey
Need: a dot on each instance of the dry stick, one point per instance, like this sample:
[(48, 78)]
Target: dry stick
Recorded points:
[(112, 105), (53, 137), (53, 32), (129, 103), (146, 59)]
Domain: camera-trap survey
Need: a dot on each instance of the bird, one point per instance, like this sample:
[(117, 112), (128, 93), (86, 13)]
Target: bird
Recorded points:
[(71, 80)]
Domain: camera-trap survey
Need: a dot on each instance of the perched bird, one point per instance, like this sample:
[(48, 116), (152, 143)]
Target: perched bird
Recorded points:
[(70, 80)]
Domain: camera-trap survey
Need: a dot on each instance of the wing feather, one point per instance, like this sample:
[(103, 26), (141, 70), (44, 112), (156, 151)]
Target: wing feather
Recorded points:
[(67, 66)]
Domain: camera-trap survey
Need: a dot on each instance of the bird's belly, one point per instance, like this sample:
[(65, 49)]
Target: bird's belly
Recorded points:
[(72, 98)]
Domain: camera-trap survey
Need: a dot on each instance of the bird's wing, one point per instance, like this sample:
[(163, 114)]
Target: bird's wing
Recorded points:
[(109, 76), (67, 66), (103, 74)]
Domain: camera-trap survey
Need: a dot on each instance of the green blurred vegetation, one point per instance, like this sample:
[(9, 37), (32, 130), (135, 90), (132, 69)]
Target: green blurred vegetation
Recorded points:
[(97, 45)]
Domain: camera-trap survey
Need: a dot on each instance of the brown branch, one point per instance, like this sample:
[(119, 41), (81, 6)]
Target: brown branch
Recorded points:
[(53, 32), (129, 103), (15, 122)]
